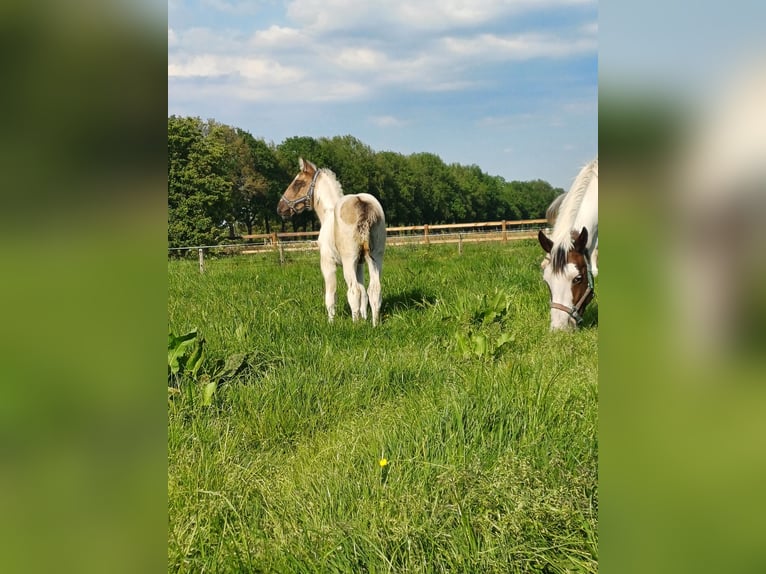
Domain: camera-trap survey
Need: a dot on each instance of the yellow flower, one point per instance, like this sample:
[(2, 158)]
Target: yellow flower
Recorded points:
[(383, 462)]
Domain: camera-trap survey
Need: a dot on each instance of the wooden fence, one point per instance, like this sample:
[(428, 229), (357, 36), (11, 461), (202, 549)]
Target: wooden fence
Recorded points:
[(412, 235)]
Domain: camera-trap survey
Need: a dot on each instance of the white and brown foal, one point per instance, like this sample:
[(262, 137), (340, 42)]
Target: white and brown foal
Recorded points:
[(353, 230)]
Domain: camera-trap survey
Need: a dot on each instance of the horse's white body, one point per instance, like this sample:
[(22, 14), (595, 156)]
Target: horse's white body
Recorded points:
[(578, 210), (353, 230)]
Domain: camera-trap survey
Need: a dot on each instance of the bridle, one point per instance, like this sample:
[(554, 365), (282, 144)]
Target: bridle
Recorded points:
[(308, 199), (575, 310)]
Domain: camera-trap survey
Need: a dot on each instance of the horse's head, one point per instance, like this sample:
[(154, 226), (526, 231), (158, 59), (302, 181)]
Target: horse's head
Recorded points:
[(299, 195), (569, 279)]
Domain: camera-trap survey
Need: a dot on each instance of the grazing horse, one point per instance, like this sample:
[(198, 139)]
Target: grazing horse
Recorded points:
[(352, 231), (572, 248)]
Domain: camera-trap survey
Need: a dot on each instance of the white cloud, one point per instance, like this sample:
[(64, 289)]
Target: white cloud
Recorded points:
[(590, 29), (279, 37), (361, 59), (387, 121), (232, 7), (210, 66), (343, 15), (520, 47), (322, 54)]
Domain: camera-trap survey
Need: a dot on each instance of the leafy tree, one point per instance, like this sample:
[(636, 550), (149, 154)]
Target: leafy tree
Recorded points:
[(351, 160), (198, 186), (393, 183)]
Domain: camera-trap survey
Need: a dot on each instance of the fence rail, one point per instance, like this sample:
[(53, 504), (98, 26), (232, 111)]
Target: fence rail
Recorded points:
[(395, 236)]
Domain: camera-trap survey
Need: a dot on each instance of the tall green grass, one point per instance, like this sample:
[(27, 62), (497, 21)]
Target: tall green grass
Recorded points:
[(492, 457)]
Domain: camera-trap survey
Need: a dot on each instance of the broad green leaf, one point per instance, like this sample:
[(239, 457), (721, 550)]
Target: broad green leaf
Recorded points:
[(175, 340), (480, 344), (178, 346), (207, 392), (505, 338)]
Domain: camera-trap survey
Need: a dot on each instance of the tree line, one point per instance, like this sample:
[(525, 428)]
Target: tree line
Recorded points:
[(223, 182)]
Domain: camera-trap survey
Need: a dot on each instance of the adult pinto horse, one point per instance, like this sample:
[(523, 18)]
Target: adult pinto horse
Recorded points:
[(573, 248), (352, 231)]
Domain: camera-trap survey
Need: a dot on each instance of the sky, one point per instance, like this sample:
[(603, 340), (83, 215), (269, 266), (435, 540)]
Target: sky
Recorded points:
[(508, 85)]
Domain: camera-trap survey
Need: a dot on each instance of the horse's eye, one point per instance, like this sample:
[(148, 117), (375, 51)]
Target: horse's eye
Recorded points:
[(577, 280)]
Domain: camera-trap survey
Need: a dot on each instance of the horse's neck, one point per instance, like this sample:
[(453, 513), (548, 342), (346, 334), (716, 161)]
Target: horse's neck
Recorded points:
[(587, 215), (580, 206)]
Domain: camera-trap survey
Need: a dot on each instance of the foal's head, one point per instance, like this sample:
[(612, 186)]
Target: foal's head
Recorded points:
[(569, 279), (299, 195)]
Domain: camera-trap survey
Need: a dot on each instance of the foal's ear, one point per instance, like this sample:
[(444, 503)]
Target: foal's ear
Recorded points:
[(581, 241), (545, 242), (306, 165)]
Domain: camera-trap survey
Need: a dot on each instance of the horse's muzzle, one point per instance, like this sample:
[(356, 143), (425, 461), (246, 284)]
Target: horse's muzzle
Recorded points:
[(284, 210)]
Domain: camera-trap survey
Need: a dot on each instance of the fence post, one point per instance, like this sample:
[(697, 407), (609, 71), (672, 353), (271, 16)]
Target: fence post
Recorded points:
[(425, 233), (274, 240), (281, 254), (201, 260), (505, 233), (459, 243)]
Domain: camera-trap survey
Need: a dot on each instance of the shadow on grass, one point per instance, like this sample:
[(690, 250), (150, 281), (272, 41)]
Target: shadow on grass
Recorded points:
[(406, 300)]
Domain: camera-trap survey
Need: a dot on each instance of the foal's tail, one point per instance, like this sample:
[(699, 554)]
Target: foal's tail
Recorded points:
[(369, 216)]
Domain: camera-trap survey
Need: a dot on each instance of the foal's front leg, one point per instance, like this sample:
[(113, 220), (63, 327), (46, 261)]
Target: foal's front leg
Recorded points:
[(328, 270)]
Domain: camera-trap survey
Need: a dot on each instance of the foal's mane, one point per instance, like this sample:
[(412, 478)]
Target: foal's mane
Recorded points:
[(333, 178), (563, 231), (333, 182)]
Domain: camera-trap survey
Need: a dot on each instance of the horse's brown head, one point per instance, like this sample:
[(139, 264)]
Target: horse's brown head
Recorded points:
[(299, 195), (569, 279)]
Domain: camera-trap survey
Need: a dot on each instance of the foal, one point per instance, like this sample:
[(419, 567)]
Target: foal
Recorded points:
[(353, 230)]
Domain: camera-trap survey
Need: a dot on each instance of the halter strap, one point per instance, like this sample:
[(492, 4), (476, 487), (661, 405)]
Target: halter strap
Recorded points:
[(308, 199), (575, 310)]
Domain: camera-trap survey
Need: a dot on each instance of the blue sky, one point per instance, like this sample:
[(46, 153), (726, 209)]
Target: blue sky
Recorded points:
[(510, 86)]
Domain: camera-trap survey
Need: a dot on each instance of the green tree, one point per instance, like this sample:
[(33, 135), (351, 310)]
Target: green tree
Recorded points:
[(198, 184), (352, 162)]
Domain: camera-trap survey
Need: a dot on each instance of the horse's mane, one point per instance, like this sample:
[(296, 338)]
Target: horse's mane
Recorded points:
[(553, 209), (567, 215)]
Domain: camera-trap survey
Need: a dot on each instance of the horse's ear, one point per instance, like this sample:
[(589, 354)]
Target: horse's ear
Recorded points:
[(301, 164), (545, 242), (581, 241)]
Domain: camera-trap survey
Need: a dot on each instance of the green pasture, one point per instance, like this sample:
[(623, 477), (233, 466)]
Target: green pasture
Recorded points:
[(486, 421)]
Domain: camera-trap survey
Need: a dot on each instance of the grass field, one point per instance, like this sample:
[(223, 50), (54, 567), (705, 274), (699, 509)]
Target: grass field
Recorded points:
[(487, 421)]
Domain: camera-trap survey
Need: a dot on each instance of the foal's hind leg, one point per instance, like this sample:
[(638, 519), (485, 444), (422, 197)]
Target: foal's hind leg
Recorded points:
[(353, 293), (373, 290), (362, 290)]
